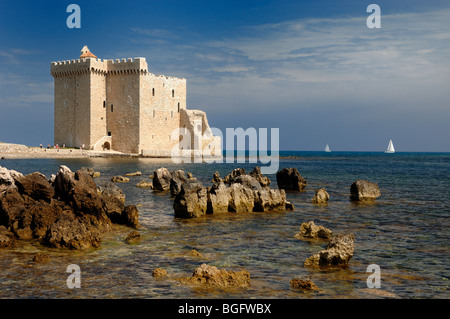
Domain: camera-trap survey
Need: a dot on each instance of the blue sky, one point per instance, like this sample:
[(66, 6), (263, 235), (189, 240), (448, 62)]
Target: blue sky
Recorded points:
[(310, 68)]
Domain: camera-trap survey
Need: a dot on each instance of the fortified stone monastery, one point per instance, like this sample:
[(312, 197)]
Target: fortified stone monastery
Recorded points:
[(119, 105)]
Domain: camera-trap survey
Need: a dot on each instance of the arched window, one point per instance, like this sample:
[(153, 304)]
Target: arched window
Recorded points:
[(112, 108), (173, 93), (153, 92), (104, 104), (178, 107)]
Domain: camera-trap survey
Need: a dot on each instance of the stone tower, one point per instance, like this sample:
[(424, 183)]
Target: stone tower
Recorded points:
[(120, 105)]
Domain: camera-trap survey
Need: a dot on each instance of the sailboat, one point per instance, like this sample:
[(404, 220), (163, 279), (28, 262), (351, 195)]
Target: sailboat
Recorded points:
[(327, 148), (390, 148)]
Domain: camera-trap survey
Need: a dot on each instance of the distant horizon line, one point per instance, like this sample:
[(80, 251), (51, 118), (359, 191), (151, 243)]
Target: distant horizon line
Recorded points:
[(341, 151)]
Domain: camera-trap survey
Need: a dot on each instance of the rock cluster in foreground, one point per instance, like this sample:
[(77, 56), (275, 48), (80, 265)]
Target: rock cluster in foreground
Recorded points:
[(67, 210), (238, 192)]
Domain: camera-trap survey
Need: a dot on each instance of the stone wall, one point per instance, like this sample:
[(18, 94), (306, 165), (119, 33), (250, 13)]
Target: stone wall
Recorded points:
[(162, 99)]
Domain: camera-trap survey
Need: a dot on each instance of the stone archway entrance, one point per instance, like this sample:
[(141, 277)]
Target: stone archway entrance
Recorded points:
[(106, 146)]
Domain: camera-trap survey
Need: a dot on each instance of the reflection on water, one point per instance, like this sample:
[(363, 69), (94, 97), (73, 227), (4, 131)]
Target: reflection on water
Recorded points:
[(405, 232)]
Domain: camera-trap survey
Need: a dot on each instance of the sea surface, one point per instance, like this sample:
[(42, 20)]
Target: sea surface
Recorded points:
[(405, 232)]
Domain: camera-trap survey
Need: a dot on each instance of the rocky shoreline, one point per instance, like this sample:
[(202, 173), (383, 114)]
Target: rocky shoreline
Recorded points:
[(19, 151), (69, 210), (65, 210)]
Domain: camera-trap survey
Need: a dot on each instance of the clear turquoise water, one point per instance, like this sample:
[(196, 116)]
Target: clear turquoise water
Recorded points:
[(405, 232)]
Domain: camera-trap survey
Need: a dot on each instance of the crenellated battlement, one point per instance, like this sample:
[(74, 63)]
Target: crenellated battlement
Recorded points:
[(126, 66), (104, 67), (77, 67)]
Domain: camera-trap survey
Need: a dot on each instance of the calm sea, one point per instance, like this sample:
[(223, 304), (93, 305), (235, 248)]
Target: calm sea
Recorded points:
[(405, 232)]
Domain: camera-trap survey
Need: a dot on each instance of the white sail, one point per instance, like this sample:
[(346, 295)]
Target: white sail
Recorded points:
[(390, 148), (327, 148)]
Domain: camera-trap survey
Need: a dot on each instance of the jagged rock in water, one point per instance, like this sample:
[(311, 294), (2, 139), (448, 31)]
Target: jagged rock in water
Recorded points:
[(248, 181), (363, 190), (289, 206), (242, 199), (111, 189), (311, 230), (290, 179), (36, 186), (270, 200), (216, 178), (178, 179), (161, 179), (7, 178), (338, 252), (321, 196), (263, 180), (71, 232), (218, 198), (191, 201), (230, 178), (68, 212), (90, 171), (133, 237)]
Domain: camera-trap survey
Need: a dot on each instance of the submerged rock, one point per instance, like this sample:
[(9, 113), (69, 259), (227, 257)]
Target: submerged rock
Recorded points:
[(144, 184), (338, 252), (303, 284), (138, 173), (120, 179), (195, 253), (312, 231), (220, 278), (159, 272), (290, 179), (41, 258), (133, 237), (363, 190)]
